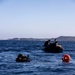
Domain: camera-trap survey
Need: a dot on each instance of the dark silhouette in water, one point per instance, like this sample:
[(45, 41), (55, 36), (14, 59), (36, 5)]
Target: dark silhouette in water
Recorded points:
[(22, 58), (53, 47), (56, 42), (47, 43)]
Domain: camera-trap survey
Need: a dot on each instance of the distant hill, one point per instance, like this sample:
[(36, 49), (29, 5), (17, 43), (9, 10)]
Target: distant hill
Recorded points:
[(29, 39), (66, 38), (60, 38)]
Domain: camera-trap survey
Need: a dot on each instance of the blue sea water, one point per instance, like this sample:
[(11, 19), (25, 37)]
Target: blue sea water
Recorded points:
[(41, 63)]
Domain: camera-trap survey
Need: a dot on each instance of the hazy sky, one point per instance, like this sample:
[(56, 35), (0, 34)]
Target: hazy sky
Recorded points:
[(37, 18)]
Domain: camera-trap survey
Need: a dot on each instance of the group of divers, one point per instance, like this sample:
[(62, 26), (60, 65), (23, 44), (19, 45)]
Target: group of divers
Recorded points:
[(48, 47), (48, 43), (53, 47)]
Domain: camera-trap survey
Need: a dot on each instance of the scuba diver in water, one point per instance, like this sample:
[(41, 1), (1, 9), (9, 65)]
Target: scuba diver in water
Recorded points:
[(22, 58)]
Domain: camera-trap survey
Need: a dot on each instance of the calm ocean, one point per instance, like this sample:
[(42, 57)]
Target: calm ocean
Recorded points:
[(41, 63)]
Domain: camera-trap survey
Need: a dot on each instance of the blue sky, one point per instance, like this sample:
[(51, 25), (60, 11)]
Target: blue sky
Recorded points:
[(37, 18)]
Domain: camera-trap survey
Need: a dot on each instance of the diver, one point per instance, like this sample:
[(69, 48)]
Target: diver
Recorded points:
[(47, 43), (22, 58), (55, 42)]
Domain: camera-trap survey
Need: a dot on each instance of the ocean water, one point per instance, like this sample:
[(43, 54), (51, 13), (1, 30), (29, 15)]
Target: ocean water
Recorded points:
[(41, 63)]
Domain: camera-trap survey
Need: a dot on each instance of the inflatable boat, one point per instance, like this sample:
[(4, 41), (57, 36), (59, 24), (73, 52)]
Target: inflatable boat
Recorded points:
[(53, 49)]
